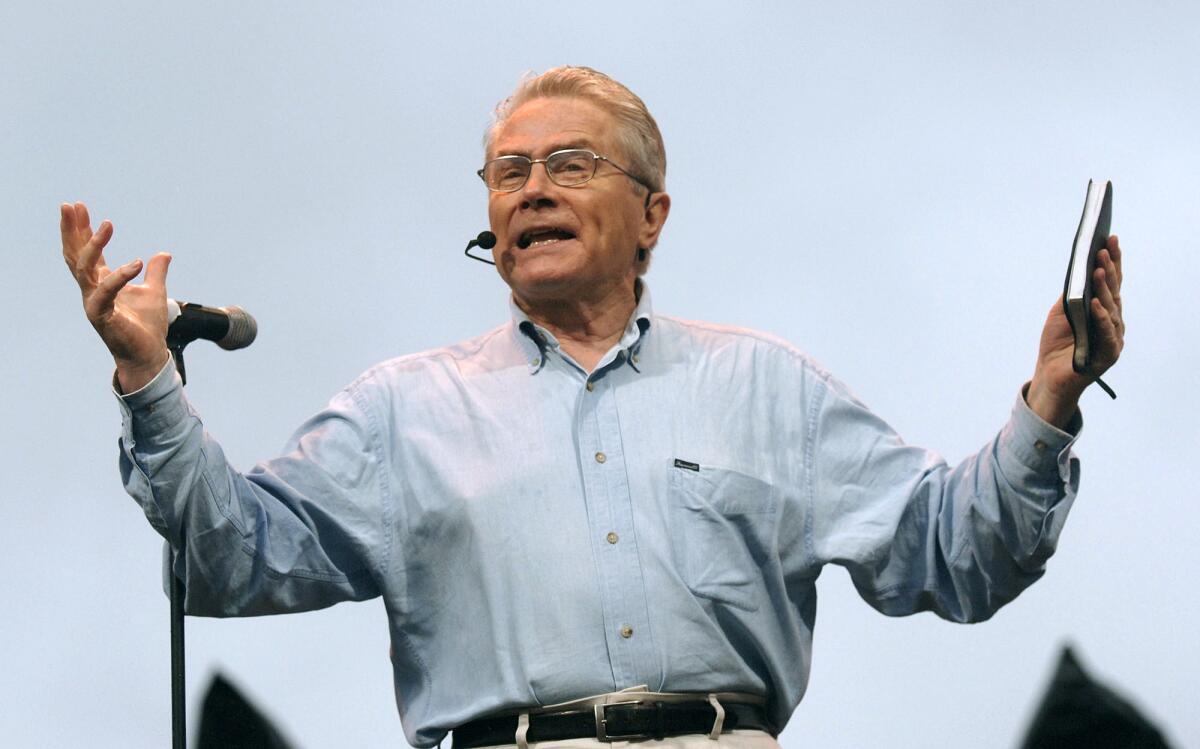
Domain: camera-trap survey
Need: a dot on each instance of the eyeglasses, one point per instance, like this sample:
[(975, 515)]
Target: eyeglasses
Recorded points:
[(570, 168)]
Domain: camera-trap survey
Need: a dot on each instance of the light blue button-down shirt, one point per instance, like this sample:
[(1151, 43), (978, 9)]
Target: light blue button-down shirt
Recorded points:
[(539, 533)]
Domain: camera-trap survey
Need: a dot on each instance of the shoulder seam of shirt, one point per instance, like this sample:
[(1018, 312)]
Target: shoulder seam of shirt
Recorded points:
[(811, 431), (774, 341), (387, 506), (461, 350)]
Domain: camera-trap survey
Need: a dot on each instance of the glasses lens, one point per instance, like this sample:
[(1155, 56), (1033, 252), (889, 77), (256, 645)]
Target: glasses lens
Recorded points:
[(507, 173), (569, 168)]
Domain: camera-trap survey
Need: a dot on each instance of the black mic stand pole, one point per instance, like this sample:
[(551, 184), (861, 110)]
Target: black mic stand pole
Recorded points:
[(178, 693)]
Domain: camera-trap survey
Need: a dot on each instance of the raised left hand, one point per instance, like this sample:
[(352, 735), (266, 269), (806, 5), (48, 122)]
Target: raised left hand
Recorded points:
[(1056, 386)]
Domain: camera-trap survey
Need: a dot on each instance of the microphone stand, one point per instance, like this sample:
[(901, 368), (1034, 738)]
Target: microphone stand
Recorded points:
[(178, 695), (179, 334)]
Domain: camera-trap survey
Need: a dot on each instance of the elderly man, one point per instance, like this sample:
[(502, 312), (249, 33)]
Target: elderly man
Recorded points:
[(592, 504)]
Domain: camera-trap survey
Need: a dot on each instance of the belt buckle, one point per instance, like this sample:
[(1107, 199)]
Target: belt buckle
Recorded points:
[(602, 733)]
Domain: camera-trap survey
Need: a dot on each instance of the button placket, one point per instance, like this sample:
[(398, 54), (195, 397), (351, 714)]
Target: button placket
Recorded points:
[(610, 516)]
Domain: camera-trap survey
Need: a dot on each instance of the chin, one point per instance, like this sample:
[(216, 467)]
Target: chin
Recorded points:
[(545, 287), (545, 269)]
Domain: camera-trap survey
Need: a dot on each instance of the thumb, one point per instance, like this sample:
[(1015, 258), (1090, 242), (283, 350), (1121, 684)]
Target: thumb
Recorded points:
[(156, 271)]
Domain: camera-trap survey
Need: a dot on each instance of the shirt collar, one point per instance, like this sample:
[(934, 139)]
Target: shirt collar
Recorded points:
[(535, 341)]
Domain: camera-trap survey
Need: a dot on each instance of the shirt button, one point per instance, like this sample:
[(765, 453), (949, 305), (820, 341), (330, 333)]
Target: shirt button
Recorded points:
[(612, 538), (1040, 446), (635, 358), (627, 631), (601, 457), (591, 386), (535, 361)]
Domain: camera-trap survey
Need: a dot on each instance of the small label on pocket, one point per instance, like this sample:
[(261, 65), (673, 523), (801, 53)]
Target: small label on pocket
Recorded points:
[(687, 464)]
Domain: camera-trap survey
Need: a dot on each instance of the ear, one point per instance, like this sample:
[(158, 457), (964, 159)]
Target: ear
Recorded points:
[(658, 205)]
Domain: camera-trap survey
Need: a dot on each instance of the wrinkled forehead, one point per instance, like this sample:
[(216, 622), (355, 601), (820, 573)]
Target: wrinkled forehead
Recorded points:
[(544, 125)]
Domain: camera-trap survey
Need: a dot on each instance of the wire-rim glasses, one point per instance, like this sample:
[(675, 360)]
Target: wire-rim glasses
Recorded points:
[(569, 168)]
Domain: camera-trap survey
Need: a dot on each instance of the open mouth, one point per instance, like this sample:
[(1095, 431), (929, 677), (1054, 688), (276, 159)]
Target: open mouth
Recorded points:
[(543, 236)]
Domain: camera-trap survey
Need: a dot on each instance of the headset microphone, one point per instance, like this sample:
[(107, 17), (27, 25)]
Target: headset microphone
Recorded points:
[(486, 240)]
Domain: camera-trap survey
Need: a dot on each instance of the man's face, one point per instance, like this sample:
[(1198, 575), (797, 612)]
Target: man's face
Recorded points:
[(585, 238)]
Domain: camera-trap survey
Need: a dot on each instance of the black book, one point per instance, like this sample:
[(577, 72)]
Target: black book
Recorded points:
[(1090, 238)]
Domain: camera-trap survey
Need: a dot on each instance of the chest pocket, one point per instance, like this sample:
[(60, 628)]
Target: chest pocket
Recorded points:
[(723, 532)]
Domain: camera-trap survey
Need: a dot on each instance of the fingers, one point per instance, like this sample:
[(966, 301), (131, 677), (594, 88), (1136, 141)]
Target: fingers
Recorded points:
[(1107, 317), (75, 224), (74, 215), (1109, 337), (81, 216), (83, 250), (99, 305), (1103, 292), (1112, 275), (1114, 251), (1109, 291), (69, 225), (90, 262), (156, 271)]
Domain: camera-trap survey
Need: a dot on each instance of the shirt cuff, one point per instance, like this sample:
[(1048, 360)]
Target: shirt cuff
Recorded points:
[(1035, 444), (154, 406)]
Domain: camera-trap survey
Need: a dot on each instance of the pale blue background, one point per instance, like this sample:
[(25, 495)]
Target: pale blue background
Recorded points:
[(891, 186)]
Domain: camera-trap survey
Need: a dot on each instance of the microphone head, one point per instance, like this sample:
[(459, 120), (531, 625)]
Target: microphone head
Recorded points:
[(486, 240), (242, 329)]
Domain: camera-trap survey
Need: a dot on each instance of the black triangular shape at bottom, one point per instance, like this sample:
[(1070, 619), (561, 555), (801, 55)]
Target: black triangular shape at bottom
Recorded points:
[(229, 721), (1078, 711)]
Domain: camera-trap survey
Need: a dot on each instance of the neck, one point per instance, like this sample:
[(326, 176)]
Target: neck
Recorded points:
[(585, 328)]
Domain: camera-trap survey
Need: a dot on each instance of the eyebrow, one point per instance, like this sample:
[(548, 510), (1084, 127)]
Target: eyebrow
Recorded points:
[(582, 143)]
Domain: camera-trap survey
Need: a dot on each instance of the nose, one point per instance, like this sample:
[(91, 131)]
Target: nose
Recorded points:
[(538, 189)]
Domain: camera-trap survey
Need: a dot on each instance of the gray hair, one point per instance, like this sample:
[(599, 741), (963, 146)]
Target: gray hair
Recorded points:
[(637, 133)]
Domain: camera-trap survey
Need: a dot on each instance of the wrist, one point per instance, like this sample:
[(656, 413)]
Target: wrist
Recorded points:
[(135, 375), (1053, 406)]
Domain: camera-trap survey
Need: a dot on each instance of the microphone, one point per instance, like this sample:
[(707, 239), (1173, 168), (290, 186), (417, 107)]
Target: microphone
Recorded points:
[(486, 240), (229, 327)]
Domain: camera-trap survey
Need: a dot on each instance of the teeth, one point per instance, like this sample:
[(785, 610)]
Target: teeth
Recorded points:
[(529, 241)]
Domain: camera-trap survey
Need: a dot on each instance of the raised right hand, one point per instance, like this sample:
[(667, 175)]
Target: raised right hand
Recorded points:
[(131, 319)]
